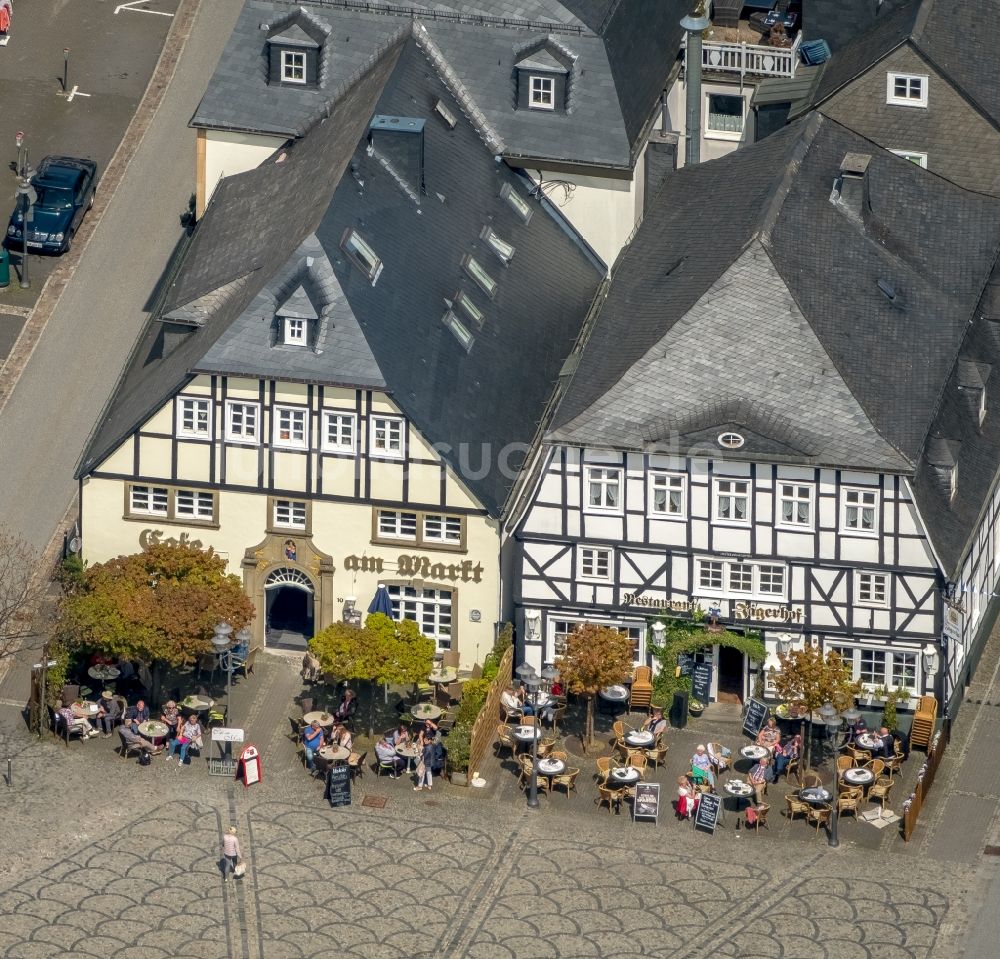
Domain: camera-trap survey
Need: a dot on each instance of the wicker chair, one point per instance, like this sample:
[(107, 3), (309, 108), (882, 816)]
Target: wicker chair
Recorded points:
[(719, 761), (844, 763), (511, 715), (811, 781), (637, 760), (567, 780), (613, 797), (795, 807), (658, 754), (545, 746), (505, 740), (894, 763), (641, 696), (761, 819), (603, 767), (819, 815), (525, 764), (880, 789), (557, 717), (528, 721), (849, 801), (876, 766), (559, 754)]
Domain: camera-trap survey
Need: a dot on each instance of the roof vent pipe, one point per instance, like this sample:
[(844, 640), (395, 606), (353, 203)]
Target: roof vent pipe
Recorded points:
[(694, 23)]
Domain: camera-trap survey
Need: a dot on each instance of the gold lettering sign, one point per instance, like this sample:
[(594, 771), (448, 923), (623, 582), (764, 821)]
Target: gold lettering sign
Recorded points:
[(742, 610), (419, 567), (153, 537)]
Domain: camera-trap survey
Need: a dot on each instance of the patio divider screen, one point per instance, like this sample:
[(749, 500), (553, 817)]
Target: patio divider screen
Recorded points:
[(484, 728)]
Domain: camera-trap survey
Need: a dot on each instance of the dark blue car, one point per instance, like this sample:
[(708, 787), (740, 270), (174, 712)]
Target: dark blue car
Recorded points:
[(64, 190)]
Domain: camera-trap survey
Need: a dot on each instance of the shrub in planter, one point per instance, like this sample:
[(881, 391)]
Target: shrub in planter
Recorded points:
[(474, 693), (696, 707), (459, 748)]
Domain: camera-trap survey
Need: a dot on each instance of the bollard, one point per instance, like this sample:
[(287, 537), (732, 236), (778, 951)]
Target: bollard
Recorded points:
[(4, 267), (10, 782)]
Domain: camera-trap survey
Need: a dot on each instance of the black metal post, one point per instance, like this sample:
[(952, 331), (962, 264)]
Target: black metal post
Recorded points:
[(10, 781), (834, 840), (25, 282), (533, 793), (65, 69)]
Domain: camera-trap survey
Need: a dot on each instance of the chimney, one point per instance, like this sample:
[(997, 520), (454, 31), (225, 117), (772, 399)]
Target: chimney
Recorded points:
[(694, 23), (850, 190)]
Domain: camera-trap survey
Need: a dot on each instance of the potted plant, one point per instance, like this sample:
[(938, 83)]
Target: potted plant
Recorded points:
[(459, 749), (696, 707)]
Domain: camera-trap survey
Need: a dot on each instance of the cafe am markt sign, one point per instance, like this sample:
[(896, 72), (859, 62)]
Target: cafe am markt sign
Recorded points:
[(741, 610)]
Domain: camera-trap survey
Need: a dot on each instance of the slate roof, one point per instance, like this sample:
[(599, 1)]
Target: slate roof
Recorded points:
[(746, 283), (623, 53), (841, 21), (273, 229), (959, 40)]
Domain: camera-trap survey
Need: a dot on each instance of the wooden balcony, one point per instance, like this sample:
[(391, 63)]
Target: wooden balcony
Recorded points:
[(750, 59)]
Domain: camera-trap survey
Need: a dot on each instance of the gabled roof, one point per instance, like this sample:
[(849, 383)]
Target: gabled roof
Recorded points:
[(622, 54), (841, 21), (476, 406), (746, 281)]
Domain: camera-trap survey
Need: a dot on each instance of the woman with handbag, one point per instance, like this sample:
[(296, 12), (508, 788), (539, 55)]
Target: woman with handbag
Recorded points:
[(230, 854)]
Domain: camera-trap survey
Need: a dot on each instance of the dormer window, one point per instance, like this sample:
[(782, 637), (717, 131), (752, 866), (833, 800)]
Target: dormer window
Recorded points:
[(295, 332), (906, 89), (293, 66), (543, 72), (542, 93), (294, 315)]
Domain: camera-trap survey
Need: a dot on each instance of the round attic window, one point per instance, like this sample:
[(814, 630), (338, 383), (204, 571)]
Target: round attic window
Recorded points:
[(730, 441)]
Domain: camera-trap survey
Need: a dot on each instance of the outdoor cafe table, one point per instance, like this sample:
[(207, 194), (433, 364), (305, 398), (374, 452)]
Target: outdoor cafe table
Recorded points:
[(318, 716), (154, 730), (104, 673), (525, 734), (84, 710), (815, 795), (624, 776), (640, 739), (551, 767), (443, 676), (857, 776), (409, 751), (739, 789), (614, 694), (334, 754), (197, 704), (426, 711), (753, 752), (868, 741)]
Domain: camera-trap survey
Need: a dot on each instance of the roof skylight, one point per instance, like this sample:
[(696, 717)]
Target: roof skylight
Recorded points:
[(475, 269), (516, 202), (442, 111), (361, 255), (469, 307), (503, 249), (461, 333)]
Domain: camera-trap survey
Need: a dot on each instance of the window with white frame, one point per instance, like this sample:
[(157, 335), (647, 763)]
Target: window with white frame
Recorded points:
[(561, 628), (153, 500), (339, 432), (194, 504), (860, 511), (516, 202), (906, 89), (442, 529), (295, 331), (386, 437), (724, 116), (914, 156), (361, 255), (293, 66), (903, 673), (604, 487), (542, 92), (667, 494), (430, 609), (291, 427), (396, 524), (241, 422), (718, 577), (795, 505), (289, 513), (895, 669), (595, 563), (194, 417), (732, 501), (873, 588)]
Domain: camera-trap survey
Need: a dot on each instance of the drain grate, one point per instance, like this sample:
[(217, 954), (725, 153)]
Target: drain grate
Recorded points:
[(376, 802), (991, 851)]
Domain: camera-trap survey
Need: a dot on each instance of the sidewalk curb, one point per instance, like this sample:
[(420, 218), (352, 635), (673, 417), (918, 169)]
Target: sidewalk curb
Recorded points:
[(52, 290)]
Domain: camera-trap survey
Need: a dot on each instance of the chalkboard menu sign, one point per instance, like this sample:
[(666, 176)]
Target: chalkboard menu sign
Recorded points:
[(754, 718), (701, 681), (686, 663), (338, 786), (707, 816), (647, 801)]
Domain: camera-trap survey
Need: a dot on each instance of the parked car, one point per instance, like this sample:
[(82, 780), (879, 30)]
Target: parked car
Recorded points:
[(64, 191)]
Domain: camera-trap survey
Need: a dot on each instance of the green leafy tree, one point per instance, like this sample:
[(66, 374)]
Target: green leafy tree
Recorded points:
[(158, 606), (808, 677), (595, 657)]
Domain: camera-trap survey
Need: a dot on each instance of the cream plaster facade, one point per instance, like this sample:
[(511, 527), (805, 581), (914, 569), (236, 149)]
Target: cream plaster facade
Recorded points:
[(222, 153), (714, 144), (246, 485)]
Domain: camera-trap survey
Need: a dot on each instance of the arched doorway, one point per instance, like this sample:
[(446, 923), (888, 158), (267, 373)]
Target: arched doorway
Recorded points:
[(289, 608)]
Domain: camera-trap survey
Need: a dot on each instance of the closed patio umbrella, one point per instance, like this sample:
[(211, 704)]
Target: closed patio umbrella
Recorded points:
[(381, 603)]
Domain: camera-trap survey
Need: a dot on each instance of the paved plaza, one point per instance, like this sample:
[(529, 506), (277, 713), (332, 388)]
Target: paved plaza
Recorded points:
[(104, 858)]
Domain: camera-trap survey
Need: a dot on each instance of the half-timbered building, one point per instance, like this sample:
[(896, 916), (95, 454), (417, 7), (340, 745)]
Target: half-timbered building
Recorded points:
[(348, 364), (784, 412)]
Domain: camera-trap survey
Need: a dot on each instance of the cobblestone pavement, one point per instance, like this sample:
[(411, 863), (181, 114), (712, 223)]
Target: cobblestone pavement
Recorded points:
[(104, 857)]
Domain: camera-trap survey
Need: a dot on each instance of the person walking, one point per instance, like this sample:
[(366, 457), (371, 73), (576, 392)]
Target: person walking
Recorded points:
[(425, 774), (230, 853)]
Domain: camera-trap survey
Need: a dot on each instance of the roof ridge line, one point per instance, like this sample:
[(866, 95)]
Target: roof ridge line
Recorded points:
[(920, 20), (796, 153)]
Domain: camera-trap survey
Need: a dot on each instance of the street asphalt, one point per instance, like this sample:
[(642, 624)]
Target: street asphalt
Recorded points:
[(76, 363)]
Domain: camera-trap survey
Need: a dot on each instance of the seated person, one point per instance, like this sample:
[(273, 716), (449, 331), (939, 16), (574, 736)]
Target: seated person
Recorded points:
[(760, 775), (523, 703), (348, 705), (509, 700), (886, 750), (190, 735), (313, 740), (769, 736), (342, 737), (139, 713), (171, 716), (109, 711), (131, 738), (687, 798), (656, 724), (73, 722), (720, 760), (557, 689), (400, 736), (784, 754), (385, 750), (701, 766)]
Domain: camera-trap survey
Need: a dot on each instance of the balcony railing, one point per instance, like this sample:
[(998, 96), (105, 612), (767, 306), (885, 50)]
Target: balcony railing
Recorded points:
[(750, 58)]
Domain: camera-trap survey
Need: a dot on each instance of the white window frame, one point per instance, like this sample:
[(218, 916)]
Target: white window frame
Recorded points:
[(715, 576), (731, 493), (658, 480), (846, 492), (914, 156), (604, 479), (386, 426), (590, 557), (774, 570), (894, 659), (295, 331), (715, 580), (297, 421), (293, 61), (891, 96), (361, 254), (740, 578), (799, 493), (202, 505), (242, 434), (285, 511), (711, 134), (871, 589), (199, 408), (520, 206), (558, 632), (144, 497), (432, 609), (390, 524), (442, 528), (345, 423), (541, 92)]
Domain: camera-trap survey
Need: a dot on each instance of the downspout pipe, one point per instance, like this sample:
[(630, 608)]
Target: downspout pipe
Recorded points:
[(694, 24)]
